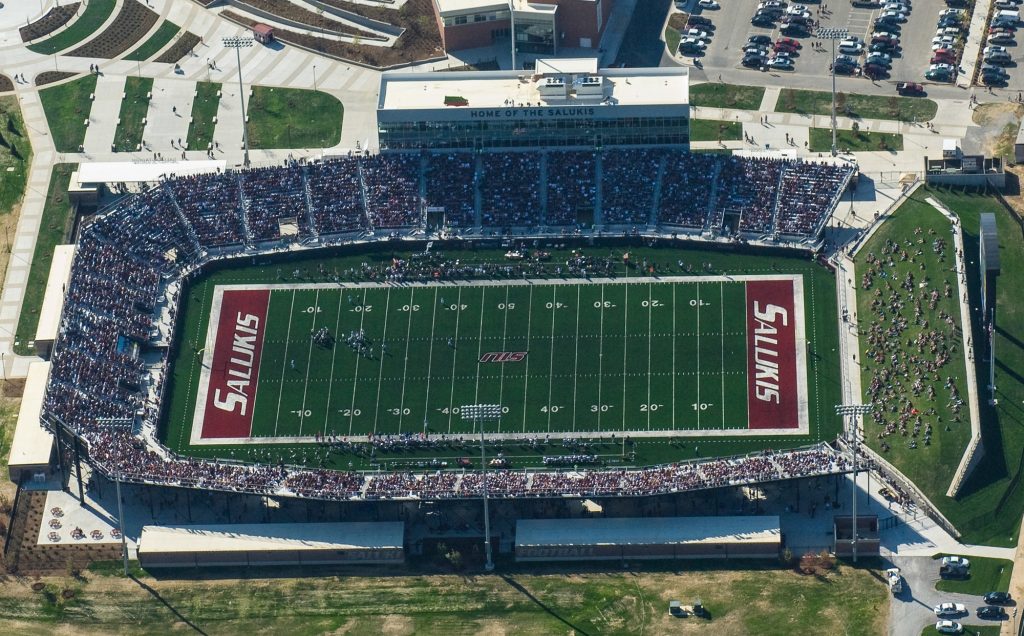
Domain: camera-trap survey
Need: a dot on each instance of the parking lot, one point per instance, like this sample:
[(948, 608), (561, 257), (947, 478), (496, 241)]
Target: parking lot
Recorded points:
[(732, 27)]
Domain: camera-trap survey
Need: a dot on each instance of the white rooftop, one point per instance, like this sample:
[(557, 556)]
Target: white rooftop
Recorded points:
[(447, 7), (53, 298), (656, 531), (502, 89), (272, 536), (32, 443), (143, 171)]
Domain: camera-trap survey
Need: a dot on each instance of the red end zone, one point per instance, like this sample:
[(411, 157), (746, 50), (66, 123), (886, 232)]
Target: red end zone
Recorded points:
[(772, 399), (235, 366)]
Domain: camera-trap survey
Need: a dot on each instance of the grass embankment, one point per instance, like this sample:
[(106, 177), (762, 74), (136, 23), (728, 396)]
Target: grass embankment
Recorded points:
[(740, 601), (67, 107), (293, 118), (94, 15), (986, 575), (854, 140), (155, 43), (989, 507), (712, 130), (204, 110), (15, 154), (856, 106), (716, 95), (54, 229), (134, 109)]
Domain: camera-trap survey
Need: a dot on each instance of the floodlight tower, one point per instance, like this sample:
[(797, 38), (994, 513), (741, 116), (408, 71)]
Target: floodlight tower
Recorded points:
[(238, 43), (478, 414), (853, 410), (833, 33)]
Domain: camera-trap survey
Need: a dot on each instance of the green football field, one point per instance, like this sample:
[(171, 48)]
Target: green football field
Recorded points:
[(653, 358)]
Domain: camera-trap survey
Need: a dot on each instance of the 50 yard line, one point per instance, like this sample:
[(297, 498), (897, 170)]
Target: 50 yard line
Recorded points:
[(455, 355), (576, 358), (504, 336), (526, 378), (284, 363)]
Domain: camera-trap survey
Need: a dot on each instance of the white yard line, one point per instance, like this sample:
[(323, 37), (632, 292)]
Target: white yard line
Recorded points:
[(355, 375), (451, 396), (380, 374), (479, 350), (721, 307), (430, 361), (576, 359), (551, 361), (600, 360), (501, 381), (625, 348), (650, 311), (334, 355), (697, 333), (405, 367), (526, 378), (673, 357), (284, 362), (309, 363)]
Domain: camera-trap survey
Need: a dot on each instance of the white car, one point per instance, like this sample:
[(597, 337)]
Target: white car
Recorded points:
[(697, 33), (948, 68), (995, 50), (879, 58), (896, 6), (955, 562), (956, 12), (781, 63), (772, 4), (694, 43), (897, 16), (952, 32), (709, 4), (943, 42), (851, 48), (950, 609), (794, 9), (1006, 4), (949, 627)]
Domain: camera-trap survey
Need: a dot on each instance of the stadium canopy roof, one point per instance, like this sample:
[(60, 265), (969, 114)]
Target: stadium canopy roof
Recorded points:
[(653, 531), (567, 65), (32, 445), (143, 172), (272, 537), (53, 299), (451, 7)]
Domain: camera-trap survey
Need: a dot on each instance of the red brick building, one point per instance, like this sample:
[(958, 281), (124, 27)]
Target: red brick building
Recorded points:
[(540, 27)]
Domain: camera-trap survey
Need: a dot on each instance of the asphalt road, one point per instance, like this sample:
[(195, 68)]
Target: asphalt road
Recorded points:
[(912, 610)]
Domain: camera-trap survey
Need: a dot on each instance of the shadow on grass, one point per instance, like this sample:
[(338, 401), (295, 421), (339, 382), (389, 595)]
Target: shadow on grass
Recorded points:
[(174, 611), (539, 603)]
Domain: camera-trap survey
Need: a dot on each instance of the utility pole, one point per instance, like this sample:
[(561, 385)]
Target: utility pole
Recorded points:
[(833, 34), (478, 414), (238, 43), (853, 410), (120, 522)]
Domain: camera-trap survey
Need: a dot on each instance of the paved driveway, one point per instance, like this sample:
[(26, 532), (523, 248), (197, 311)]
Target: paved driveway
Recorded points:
[(912, 609)]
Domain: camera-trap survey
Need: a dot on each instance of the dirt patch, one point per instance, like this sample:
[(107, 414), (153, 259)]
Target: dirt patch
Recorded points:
[(50, 77), (996, 130), (395, 624)]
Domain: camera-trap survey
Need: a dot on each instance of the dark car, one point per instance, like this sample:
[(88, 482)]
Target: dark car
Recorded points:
[(991, 612), (701, 21), (909, 88), (794, 31), (998, 598), (883, 47), (882, 24), (753, 61), (762, 21), (759, 39)]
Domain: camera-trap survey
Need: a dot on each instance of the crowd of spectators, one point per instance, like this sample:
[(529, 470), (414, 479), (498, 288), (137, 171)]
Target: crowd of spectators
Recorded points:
[(271, 196), (686, 188), (572, 185), (336, 196), (628, 180), (451, 184), (392, 186), (807, 195), (749, 187), (509, 189), (210, 202)]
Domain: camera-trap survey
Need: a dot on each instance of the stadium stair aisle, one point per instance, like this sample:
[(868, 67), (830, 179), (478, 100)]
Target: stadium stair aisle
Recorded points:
[(308, 196), (598, 190), (478, 195), (656, 197), (543, 188), (712, 198)]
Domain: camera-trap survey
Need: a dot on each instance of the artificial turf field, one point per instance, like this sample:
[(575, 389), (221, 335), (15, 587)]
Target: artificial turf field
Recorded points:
[(650, 357)]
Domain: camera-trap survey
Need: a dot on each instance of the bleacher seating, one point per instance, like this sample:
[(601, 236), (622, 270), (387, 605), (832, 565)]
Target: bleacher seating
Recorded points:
[(509, 189), (628, 180), (451, 181), (572, 184)]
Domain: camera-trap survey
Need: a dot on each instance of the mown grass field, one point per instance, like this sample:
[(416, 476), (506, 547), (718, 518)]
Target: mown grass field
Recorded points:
[(15, 154), (747, 600), (134, 109), (718, 95), (91, 17), (588, 389), (293, 118), (67, 107), (986, 575), (854, 141), (155, 43), (204, 110), (857, 106), (711, 130)]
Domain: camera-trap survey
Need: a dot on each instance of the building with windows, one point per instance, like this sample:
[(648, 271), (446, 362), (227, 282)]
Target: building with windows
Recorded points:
[(540, 27), (564, 103)]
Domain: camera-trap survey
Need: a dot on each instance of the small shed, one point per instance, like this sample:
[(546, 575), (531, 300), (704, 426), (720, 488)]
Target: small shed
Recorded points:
[(263, 33)]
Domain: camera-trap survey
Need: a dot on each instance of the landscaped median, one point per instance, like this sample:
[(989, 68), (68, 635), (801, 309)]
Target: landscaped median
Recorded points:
[(985, 575), (92, 18), (54, 229), (718, 95), (856, 106), (293, 118), (15, 154), (713, 130), (204, 110), (854, 140), (134, 110), (67, 107)]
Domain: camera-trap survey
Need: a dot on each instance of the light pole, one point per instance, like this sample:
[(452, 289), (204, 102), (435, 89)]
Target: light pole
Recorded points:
[(120, 522), (314, 78), (854, 410), (512, 27), (238, 43), (480, 413), (832, 33)]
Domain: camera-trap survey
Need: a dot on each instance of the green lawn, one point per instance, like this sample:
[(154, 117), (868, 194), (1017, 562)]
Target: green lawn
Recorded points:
[(54, 229), (527, 400), (134, 108), (987, 575), (88, 23), (848, 140), (718, 95), (711, 130), (969, 630), (155, 43), (67, 107), (204, 109), (293, 118), (857, 106), (15, 154), (672, 37), (529, 601)]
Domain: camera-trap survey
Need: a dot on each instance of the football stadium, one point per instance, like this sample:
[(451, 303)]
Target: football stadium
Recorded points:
[(296, 330)]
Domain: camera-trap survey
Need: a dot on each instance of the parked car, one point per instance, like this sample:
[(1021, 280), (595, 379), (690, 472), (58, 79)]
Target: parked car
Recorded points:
[(991, 612), (762, 21), (781, 64), (698, 34), (955, 561), (896, 16), (950, 609), (938, 75), (875, 71), (699, 21), (949, 627), (782, 47), (753, 61), (899, 7), (998, 598), (1001, 38), (949, 21), (851, 48), (759, 39), (692, 43), (879, 58), (909, 88), (885, 36), (989, 50), (791, 42), (998, 59), (772, 4), (943, 42), (794, 30), (954, 32), (951, 12), (708, 4)]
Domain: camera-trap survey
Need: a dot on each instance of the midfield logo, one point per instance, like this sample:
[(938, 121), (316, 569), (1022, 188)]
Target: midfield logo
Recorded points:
[(503, 356)]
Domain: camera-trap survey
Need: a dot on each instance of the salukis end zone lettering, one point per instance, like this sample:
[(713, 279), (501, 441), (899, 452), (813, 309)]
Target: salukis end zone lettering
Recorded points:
[(657, 357)]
